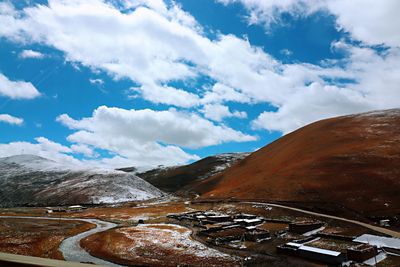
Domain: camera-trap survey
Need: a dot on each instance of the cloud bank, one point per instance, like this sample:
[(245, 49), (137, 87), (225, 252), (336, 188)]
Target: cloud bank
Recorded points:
[(164, 51)]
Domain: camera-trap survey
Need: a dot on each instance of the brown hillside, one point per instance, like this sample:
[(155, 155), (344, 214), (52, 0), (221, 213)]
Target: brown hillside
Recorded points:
[(351, 161)]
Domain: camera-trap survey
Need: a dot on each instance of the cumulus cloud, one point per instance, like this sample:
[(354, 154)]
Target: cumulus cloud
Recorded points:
[(270, 12), (218, 112), (152, 48), (153, 44), (313, 103), (83, 149), (171, 127), (375, 86), (223, 93), (17, 89), (42, 147), (373, 22), (309, 93), (167, 95), (146, 137), (31, 54), (7, 118), (96, 81)]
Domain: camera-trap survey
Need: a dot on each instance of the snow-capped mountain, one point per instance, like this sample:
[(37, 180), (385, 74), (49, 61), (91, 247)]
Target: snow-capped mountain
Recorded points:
[(28, 180)]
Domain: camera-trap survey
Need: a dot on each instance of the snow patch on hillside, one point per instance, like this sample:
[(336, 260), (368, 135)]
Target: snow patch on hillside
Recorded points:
[(227, 160), (33, 180)]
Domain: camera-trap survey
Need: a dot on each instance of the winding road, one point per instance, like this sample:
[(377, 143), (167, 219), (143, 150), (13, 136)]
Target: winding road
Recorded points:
[(70, 247)]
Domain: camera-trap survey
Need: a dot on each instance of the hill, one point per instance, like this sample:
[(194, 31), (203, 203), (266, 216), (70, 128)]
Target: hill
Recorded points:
[(28, 180), (347, 163), (173, 179)]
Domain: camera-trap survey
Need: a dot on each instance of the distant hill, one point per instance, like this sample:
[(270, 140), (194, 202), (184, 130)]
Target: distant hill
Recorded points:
[(348, 163), (28, 180), (173, 179)]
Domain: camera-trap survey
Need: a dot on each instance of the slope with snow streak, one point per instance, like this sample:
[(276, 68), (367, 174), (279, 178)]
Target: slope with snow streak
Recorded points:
[(27, 180)]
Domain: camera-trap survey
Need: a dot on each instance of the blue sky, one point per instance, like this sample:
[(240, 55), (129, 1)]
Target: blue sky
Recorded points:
[(152, 82)]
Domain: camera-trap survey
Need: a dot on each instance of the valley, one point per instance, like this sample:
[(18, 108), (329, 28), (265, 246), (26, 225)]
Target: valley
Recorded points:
[(323, 195), (168, 233)]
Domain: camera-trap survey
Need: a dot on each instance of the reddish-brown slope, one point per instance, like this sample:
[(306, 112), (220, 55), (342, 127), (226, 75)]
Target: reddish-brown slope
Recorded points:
[(353, 161)]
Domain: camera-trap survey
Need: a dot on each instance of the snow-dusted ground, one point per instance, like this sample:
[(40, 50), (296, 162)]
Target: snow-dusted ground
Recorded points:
[(170, 237), (32, 180), (379, 113)]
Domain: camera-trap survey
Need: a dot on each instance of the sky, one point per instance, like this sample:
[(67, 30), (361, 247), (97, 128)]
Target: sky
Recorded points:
[(113, 83)]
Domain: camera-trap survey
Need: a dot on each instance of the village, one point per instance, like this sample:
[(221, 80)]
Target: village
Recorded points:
[(304, 239)]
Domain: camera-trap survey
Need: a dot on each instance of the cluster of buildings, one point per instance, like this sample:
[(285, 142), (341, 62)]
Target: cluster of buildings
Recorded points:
[(367, 249), (221, 229), (224, 229)]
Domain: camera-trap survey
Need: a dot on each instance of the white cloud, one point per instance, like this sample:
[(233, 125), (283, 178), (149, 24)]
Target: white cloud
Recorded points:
[(96, 81), (286, 52), (310, 104), (157, 5), (43, 147), (31, 54), (83, 149), (270, 12), (152, 48), (222, 93), (11, 119), (146, 137), (370, 21), (373, 22), (218, 112), (167, 95), (304, 94), (147, 126), (375, 86), (154, 44), (17, 89)]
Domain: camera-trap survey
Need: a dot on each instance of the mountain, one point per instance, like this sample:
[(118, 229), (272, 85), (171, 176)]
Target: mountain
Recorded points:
[(28, 180), (172, 179), (348, 163)]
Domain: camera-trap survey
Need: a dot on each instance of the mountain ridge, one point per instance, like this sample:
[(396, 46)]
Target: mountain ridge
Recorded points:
[(28, 180), (174, 179)]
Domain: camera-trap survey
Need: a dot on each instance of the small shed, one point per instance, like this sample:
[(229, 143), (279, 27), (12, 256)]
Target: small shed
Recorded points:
[(249, 222), (74, 208), (245, 216), (361, 252), (312, 253), (257, 235), (322, 255)]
